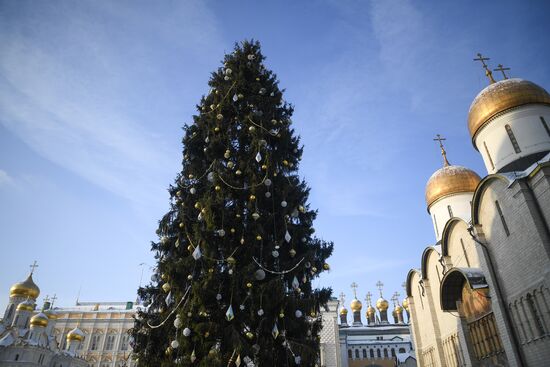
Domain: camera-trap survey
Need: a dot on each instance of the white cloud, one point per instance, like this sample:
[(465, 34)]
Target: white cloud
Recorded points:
[(73, 95), (5, 179)]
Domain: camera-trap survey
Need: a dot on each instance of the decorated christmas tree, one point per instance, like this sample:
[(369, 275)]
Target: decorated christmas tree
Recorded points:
[(236, 254)]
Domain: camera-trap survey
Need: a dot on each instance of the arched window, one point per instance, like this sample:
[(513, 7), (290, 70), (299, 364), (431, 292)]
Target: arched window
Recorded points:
[(402, 350), (356, 353), (378, 353), (385, 353), (372, 353), (350, 356), (364, 353)]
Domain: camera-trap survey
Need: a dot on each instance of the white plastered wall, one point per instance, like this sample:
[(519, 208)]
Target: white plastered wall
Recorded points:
[(460, 205), (528, 130)]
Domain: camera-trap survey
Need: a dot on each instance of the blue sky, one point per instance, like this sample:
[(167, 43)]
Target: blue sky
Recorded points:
[(93, 95)]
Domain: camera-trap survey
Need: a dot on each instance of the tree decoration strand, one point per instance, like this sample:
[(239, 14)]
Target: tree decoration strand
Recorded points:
[(172, 312), (278, 272)]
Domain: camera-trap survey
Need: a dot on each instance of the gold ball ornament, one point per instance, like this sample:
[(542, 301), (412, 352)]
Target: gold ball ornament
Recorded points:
[(281, 315), (231, 260), (166, 287), (178, 193), (191, 176), (238, 172), (207, 334), (203, 210), (258, 237), (182, 225), (197, 205), (168, 351), (292, 252), (314, 269), (248, 285), (240, 96), (211, 270), (302, 209), (227, 154), (217, 188), (264, 167), (251, 129), (230, 165), (164, 276), (232, 230), (189, 248), (189, 277), (285, 162), (326, 266), (252, 197), (219, 116), (249, 335)]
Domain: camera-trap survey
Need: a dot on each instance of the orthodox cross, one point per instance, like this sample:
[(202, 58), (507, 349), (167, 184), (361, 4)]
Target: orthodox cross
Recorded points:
[(440, 139), (502, 69), (46, 299), (487, 70), (394, 298), (342, 298), (33, 266), (53, 300), (368, 298), (380, 285), (354, 286)]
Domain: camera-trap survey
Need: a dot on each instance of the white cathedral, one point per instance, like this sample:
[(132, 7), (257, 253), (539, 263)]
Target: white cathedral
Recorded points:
[(27, 336), (481, 296)]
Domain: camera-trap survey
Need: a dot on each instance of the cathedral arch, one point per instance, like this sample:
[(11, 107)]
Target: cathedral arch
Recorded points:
[(409, 282), (480, 190), (425, 256), (453, 283)]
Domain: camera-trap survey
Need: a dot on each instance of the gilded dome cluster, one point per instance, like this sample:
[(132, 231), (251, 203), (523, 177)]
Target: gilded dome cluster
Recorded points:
[(502, 96)]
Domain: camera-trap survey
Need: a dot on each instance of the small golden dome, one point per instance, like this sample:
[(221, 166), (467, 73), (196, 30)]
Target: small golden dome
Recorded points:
[(40, 319), (27, 305), (450, 180), (398, 309), (26, 288), (406, 304), (501, 96), (356, 305), (343, 311), (75, 334), (370, 311), (382, 304)]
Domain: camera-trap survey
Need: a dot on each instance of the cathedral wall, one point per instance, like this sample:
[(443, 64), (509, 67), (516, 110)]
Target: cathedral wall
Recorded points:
[(461, 248), (516, 239), (525, 125), (422, 322)]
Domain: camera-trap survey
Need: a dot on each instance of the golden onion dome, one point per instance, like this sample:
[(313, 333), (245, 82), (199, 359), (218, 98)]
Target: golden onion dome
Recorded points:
[(398, 309), (26, 288), (75, 334), (370, 311), (40, 319), (450, 180), (356, 305), (382, 304), (406, 304), (27, 305), (343, 311), (502, 96)]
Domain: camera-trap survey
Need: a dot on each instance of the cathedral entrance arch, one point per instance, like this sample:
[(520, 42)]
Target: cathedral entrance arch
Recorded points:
[(465, 290)]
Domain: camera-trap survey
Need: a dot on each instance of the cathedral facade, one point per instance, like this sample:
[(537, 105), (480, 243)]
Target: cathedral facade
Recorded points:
[(28, 337), (481, 296)]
